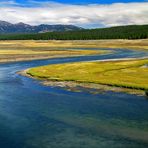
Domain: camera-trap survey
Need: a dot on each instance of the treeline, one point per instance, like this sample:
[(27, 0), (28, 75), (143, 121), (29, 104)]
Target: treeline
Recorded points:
[(120, 32)]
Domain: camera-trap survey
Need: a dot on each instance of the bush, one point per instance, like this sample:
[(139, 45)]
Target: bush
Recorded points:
[(146, 92)]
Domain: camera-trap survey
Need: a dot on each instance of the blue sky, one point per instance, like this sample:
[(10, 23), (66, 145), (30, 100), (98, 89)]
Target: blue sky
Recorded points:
[(84, 1), (87, 13)]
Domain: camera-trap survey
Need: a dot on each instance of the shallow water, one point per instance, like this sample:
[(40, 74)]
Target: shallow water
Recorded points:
[(36, 116)]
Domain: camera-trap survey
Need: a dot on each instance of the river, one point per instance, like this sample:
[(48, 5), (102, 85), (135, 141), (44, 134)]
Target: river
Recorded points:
[(37, 116)]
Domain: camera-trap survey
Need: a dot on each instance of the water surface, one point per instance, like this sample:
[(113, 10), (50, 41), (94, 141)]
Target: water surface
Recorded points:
[(36, 116)]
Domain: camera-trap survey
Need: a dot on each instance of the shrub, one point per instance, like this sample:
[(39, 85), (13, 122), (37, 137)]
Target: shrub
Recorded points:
[(146, 92)]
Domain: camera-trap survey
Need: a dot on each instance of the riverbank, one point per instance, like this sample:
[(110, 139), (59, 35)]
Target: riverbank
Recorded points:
[(124, 76), (78, 86)]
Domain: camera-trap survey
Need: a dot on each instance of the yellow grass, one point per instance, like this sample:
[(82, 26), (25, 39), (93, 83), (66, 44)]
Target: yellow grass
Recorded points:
[(128, 74), (135, 44), (31, 50), (52, 52)]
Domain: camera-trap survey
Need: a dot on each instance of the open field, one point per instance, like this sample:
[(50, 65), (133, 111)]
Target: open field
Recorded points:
[(127, 74), (133, 44), (22, 51)]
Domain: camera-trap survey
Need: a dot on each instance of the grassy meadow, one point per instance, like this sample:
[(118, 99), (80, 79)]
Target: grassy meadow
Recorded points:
[(11, 51), (128, 74), (118, 43)]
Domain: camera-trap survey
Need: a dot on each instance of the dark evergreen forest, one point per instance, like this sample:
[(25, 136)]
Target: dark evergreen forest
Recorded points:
[(120, 32)]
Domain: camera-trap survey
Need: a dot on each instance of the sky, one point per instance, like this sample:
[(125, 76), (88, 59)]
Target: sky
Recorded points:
[(84, 13), (83, 1)]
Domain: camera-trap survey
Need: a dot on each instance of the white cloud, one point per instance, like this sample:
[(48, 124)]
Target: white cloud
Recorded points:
[(83, 15)]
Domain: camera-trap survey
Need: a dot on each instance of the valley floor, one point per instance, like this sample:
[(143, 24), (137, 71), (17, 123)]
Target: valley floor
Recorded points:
[(124, 74)]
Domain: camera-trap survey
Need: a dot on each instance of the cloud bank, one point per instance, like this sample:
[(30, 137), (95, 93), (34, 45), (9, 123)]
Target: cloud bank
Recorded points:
[(92, 15)]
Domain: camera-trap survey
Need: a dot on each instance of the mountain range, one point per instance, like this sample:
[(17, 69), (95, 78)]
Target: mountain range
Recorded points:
[(9, 28)]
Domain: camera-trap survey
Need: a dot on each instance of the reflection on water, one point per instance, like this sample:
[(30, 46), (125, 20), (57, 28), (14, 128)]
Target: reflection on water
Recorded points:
[(35, 116)]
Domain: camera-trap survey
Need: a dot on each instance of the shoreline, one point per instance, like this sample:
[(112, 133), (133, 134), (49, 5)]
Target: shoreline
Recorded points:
[(34, 59), (75, 85)]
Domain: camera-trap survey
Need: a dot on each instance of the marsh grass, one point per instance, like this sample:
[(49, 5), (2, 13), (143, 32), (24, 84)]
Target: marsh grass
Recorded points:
[(127, 74)]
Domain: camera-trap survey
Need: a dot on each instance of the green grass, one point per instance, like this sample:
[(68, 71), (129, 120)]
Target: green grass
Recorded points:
[(129, 74)]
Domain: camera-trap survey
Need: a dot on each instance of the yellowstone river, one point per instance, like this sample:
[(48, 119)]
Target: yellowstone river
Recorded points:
[(37, 116)]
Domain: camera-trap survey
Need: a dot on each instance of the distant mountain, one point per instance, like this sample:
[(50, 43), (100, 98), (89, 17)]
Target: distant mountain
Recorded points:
[(8, 28)]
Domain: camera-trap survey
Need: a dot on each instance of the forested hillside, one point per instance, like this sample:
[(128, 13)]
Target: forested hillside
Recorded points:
[(120, 32)]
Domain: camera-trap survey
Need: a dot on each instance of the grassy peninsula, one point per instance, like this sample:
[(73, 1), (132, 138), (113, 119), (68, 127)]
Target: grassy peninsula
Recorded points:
[(127, 74)]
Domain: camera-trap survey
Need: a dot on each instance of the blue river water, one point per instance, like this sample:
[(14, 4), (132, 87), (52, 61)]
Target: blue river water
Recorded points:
[(37, 116)]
